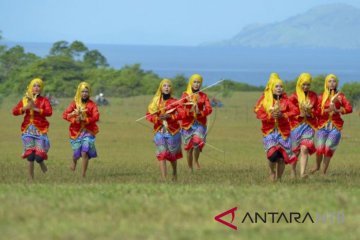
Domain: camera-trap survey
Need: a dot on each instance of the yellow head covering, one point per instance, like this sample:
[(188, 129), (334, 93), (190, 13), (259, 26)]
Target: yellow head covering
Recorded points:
[(303, 78), (272, 77), (268, 94), (154, 104), (29, 90), (327, 93), (191, 81), (81, 87)]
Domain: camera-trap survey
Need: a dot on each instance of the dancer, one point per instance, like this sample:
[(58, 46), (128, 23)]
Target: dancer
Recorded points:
[(304, 124), (196, 108), (274, 112), (34, 128), (82, 113), (331, 104), (163, 112)]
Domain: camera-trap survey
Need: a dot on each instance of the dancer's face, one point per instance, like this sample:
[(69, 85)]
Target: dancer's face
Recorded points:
[(278, 90), (331, 83), (85, 93), (196, 85), (306, 87), (36, 89), (166, 88)]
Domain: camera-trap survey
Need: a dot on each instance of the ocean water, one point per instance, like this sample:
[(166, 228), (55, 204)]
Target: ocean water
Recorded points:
[(246, 65)]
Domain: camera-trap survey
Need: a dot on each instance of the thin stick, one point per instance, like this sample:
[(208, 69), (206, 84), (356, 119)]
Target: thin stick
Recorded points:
[(181, 99)]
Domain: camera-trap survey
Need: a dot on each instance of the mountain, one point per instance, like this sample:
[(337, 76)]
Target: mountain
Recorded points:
[(326, 26)]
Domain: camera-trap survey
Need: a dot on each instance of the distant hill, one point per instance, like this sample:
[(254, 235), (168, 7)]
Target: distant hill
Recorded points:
[(326, 26)]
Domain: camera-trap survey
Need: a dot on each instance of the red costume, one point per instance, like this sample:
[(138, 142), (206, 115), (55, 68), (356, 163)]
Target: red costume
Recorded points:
[(33, 117), (341, 103), (188, 116), (174, 110), (91, 117), (311, 120), (269, 123)]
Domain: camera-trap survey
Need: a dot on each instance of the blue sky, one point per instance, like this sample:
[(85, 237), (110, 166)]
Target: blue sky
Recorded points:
[(147, 22)]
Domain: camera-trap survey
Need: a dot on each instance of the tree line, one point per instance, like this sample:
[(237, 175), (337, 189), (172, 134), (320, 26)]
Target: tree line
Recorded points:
[(67, 64)]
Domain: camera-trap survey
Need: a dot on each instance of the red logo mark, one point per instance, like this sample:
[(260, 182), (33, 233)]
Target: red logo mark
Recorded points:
[(229, 224)]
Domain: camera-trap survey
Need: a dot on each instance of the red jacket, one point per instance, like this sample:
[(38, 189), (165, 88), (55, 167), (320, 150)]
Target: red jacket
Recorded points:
[(188, 117), (172, 122), (33, 117), (311, 120), (92, 116), (335, 118), (269, 123)]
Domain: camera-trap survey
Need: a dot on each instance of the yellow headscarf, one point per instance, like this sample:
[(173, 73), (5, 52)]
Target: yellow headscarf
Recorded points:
[(272, 77), (154, 104), (191, 81), (29, 90), (303, 78), (81, 87), (327, 93), (268, 94)]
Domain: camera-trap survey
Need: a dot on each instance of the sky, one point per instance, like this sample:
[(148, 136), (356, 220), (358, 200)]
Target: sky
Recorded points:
[(142, 22)]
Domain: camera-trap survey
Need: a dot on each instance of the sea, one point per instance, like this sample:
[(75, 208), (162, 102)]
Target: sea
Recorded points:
[(247, 65)]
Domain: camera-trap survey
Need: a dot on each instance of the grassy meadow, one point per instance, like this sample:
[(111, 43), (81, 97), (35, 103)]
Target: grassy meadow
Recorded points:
[(122, 196)]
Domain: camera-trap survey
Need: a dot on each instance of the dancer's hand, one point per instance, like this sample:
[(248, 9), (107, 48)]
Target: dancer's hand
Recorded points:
[(164, 116)]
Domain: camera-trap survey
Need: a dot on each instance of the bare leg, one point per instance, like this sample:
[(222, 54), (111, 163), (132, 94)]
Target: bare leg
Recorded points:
[(280, 168), (318, 163), (85, 163), (43, 167), (31, 170), (272, 171), (190, 159), (196, 156), (73, 165), (293, 170), (174, 167), (326, 164), (304, 155), (162, 165)]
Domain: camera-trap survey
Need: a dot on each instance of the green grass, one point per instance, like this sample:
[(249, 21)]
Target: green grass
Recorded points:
[(122, 197)]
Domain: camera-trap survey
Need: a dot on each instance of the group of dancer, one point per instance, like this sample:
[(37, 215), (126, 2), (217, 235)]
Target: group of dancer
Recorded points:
[(82, 113), (289, 123), (174, 120)]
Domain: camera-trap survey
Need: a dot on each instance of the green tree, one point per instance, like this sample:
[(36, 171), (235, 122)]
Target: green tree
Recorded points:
[(94, 58), (77, 49), (60, 48), (352, 91)]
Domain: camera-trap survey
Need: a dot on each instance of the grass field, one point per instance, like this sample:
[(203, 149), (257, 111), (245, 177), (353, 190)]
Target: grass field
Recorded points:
[(123, 198)]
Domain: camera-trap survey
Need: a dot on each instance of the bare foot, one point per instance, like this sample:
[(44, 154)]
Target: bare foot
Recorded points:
[(314, 170), (197, 165), (191, 170), (293, 174), (272, 177), (73, 165), (304, 176), (174, 178)]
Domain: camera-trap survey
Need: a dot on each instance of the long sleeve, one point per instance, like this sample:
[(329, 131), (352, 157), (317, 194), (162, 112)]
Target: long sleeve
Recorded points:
[(45, 108), (69, 110), (17, 110), (93, 115), (207, 110), (346, 107)]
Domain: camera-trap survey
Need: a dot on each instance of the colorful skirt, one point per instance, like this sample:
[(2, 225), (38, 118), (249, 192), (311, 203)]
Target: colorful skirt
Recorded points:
[(168, 147), (327, 140), (194, 137), (303, 135), (34, 141), (275, 142), (85, 142)]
